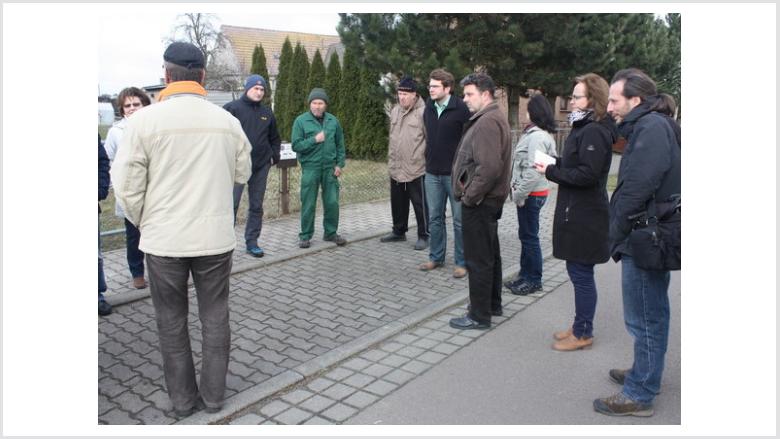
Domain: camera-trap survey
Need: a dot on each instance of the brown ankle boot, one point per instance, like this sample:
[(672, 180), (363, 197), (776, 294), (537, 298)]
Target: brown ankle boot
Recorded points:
[(560, 335), (572, 343)]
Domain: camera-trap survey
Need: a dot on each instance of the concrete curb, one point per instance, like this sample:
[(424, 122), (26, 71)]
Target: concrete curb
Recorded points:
[(324, 362)]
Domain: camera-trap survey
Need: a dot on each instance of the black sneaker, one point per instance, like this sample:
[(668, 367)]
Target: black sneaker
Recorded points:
[(337, 239), (392, 237), (513, 283), (525, 289), (304, 243), (421, 244), (104, 308)]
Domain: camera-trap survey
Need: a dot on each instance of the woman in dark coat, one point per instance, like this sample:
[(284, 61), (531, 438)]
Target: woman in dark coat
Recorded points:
[(581, 223)]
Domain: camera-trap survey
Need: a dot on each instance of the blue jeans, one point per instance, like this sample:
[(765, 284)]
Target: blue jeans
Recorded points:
[(254, 220), (102, 287), (528, 233), (585, 296), (135, 257), (646, 314), (438, 188)]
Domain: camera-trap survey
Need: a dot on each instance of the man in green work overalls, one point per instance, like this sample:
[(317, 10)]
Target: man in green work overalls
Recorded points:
[(318, 140)]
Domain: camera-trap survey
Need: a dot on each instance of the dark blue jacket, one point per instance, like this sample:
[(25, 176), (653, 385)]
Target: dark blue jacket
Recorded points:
[(581, 222), (259, 125), (650, 168), (104, 178), (442, 134)]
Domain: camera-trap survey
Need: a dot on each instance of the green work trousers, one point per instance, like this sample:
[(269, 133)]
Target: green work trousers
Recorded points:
[(312, 177)]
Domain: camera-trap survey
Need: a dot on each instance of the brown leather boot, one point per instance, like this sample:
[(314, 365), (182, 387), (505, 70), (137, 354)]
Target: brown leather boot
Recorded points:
[(572, 343), (560, 335)]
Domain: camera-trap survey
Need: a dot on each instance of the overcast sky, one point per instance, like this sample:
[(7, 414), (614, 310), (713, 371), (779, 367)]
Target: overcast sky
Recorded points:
[(131, 45)]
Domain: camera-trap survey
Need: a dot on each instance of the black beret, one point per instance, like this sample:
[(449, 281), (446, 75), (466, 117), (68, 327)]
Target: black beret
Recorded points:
[(407, 84), (185, 55)]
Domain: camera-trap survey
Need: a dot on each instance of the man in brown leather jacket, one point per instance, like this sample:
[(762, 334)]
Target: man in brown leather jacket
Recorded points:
[(480, 180)]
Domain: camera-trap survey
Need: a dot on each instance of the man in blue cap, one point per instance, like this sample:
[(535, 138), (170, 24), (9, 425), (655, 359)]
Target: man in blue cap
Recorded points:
[(259, 124)]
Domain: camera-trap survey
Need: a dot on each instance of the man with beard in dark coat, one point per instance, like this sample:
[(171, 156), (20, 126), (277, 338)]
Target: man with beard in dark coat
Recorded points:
[(259, 124), (649, 172)]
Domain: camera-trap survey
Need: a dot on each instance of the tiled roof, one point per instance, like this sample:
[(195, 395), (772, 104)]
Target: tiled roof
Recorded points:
[(244, 39)]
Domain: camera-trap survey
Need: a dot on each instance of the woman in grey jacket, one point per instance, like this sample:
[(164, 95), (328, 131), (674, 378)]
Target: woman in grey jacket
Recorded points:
[(529, 192)]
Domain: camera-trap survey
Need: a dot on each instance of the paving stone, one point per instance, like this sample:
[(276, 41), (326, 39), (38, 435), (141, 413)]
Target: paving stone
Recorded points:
[(380, 388), (297, 396), (339, 412), (318, 421), (410, 351), (130, 402), (150, 371), (357, 364), (150, 415), (316, 403), (338, 391), (405, 338), (274, 407), (399, 377), (160, 400), (425, 343), (445, 348), (320, 384), (293, 416), (459, 340), (110, 387), (359, 380), (248, 419), (416, 367), (391, 346), (431, 357), (338, 374), (373, 355), (118, 417), (377, 370), (120, 372), (361, 400), (393, 360)]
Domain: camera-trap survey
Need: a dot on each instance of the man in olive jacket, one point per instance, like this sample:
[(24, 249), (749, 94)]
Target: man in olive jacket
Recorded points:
[(318, 140), (480, 181)]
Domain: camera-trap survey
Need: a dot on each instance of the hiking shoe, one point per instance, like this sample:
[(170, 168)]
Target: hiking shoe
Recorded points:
[(618, 376), (304, 243), (513, 282), (467, 322), (524, 289), (620, 405), (104, 308), (255, 251), (337, 239), (392, 237), (421, 244)]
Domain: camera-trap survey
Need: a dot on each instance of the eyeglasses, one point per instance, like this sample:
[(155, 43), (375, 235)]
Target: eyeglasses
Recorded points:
[(133, 104), (575, 97)]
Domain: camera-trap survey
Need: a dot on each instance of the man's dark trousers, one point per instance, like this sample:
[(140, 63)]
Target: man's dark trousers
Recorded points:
[(256, 188), (400, 196), (483, 258), (168, 285)]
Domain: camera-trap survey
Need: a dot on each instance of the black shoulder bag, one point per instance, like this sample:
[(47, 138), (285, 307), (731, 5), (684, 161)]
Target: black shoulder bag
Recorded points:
[(655, 239)]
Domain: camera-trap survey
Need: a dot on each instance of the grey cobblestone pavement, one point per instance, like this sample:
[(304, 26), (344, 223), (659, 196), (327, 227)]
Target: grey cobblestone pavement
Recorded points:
[(301, 312), (339, 393)]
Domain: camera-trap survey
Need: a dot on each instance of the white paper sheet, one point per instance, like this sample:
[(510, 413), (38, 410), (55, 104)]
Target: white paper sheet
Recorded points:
[(544, 159)]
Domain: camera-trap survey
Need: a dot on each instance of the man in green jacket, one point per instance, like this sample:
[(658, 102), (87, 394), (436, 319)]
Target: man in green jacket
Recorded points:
[(318, 140)]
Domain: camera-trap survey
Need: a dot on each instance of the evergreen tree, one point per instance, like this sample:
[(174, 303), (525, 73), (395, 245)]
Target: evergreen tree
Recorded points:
[(332, 82), (316, 72), (259, 67), (297, 85), (370, 130), (348, 88), (281, 97)]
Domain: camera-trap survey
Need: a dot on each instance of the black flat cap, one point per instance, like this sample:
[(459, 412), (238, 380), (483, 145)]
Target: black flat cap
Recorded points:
[(185, 55)]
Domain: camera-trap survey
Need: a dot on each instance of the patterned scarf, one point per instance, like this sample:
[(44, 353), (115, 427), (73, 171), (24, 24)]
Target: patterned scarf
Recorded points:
[(578, 115)]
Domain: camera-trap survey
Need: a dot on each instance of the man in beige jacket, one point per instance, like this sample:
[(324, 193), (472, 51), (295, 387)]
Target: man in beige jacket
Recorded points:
[(174, 175), (406, 164)]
